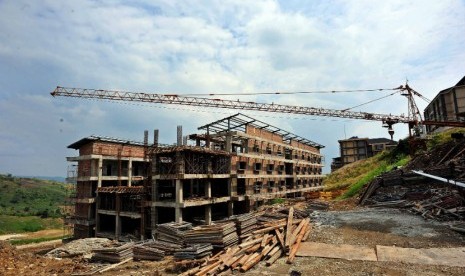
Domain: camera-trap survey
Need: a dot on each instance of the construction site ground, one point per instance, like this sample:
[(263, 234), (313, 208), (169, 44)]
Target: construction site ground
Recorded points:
[(342, 224)]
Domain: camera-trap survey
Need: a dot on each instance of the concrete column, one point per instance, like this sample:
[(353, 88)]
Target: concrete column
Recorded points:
[(154, 190), (117, 226), (178, 214), (179, 192), (191, 186), (232, 187), (230, 208), (208, 214), (129, 171), (97, 216), (228, 146), (179, 201), (99, 172), (154, 220), (208, 188)]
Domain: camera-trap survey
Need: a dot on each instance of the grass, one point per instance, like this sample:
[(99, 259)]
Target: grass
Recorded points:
[(37, 240), (276, 201), (443, 137), (31, 197), (354, 176), (15, 224)]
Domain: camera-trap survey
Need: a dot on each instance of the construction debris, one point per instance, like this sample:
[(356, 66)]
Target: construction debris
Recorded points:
[(219, 235), (435, 192), (78, 247), (173, 232), (273, 238), (245, 223), (146, 252), (115, 254), (195, 251)]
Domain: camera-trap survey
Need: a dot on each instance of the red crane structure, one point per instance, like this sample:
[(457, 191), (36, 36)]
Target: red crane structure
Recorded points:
[(413, 119)]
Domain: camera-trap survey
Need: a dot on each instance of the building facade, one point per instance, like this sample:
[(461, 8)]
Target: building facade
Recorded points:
[(354, 149), (448, 105), (124, 188), (110, 175)]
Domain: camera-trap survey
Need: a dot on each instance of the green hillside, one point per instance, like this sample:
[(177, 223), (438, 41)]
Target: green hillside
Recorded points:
[(352, 177), (31, 197)]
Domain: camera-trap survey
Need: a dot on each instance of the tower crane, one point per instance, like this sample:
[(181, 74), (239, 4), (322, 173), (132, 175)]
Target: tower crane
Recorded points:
[(413, 119)]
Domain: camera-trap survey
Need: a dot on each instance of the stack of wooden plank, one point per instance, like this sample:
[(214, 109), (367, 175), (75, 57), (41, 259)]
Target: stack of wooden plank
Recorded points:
[(173, 232), (246, 223), (272, 240), (146, 252), (219, 235), (195, 251), (167, 247), (114, 254)]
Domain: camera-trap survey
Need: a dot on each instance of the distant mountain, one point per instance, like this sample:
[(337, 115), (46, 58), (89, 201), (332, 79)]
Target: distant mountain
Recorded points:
[(51, 178)]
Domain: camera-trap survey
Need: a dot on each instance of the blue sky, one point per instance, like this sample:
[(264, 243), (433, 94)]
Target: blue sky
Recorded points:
[(212, 46)]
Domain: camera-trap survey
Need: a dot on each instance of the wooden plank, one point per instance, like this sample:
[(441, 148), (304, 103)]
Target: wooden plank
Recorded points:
[(114, 265), (429, 256), (296, 232), (250, 263), (274, 257), (295, 247), (264, 240), (274, 250), (336, 251), (280, 238), (289, 225)]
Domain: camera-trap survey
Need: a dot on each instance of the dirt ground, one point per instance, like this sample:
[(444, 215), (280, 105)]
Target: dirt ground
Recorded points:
[(343, 224), (370, 227)]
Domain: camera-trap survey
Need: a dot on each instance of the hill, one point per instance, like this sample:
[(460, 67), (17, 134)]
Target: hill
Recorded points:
[(31, 197), (352, 177)]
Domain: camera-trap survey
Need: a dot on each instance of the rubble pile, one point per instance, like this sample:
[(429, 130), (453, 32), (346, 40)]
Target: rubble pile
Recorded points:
[(425, 186), (78, 247)]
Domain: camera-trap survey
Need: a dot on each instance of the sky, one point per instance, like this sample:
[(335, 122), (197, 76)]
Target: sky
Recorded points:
[(239, 47)]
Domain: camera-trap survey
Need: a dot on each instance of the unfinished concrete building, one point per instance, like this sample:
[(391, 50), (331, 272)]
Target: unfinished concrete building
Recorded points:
[(109, 187), (234, 166), (355, 148), (448, 105)]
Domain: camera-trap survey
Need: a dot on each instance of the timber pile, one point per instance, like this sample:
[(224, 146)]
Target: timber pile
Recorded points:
[(195, 251), (219, 235), (173, 232), (166, 247), (114, 254), (444, 205), (146, 252), (425, 196), (246, 223), (273, 238)]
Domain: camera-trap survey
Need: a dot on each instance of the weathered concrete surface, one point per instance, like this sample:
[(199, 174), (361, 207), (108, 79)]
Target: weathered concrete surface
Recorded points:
[(430, 256), (337, 251)]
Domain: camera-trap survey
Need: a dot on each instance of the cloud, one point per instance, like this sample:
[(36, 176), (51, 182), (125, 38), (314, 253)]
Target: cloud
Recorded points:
[(212, 47)]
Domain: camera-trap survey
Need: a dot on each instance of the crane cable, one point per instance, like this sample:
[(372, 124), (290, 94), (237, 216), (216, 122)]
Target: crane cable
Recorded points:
[(289, 92), (374, 100)]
